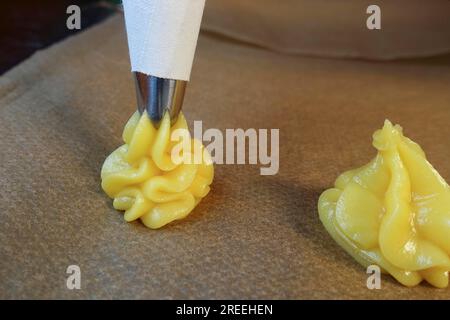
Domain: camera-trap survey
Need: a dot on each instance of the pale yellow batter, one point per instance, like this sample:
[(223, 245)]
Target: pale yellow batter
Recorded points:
[(393, 212), (144, 180)]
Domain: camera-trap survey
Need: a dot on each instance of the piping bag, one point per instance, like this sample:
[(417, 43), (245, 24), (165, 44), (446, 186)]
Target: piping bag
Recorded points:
[(162, 37)]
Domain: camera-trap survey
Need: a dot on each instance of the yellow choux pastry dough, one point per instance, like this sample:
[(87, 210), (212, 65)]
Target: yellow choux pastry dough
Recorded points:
[(144, 181), (393, 212)]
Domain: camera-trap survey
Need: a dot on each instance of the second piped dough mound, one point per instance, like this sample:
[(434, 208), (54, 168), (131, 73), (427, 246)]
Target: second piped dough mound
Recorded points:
[(393, 212), (144, 181)]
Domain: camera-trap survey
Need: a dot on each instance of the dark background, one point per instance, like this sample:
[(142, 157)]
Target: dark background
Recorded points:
[(29, 25)]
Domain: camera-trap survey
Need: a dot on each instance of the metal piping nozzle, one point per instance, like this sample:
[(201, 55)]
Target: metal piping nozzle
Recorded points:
[(158, 96)]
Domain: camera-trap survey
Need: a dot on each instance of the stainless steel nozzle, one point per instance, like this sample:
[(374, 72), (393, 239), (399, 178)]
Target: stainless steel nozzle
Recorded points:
[(158, 96)]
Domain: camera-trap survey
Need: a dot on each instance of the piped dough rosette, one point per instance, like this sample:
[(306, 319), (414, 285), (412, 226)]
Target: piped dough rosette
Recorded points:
[(146, 183), (393, 212)]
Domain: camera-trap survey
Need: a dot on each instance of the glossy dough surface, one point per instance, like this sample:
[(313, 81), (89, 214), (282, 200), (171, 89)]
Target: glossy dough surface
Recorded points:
[(393, 212), (144, 181)]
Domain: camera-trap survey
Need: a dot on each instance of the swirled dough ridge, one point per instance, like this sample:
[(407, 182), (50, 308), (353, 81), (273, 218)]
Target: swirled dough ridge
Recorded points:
[(393, 212), (144, 181)]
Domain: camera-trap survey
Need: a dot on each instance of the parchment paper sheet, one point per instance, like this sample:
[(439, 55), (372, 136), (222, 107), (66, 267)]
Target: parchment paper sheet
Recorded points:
[(322, 28), (62, 112)]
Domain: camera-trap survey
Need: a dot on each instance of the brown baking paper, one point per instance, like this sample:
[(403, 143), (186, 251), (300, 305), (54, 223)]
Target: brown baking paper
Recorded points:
[(62, 112), (326, 28)]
